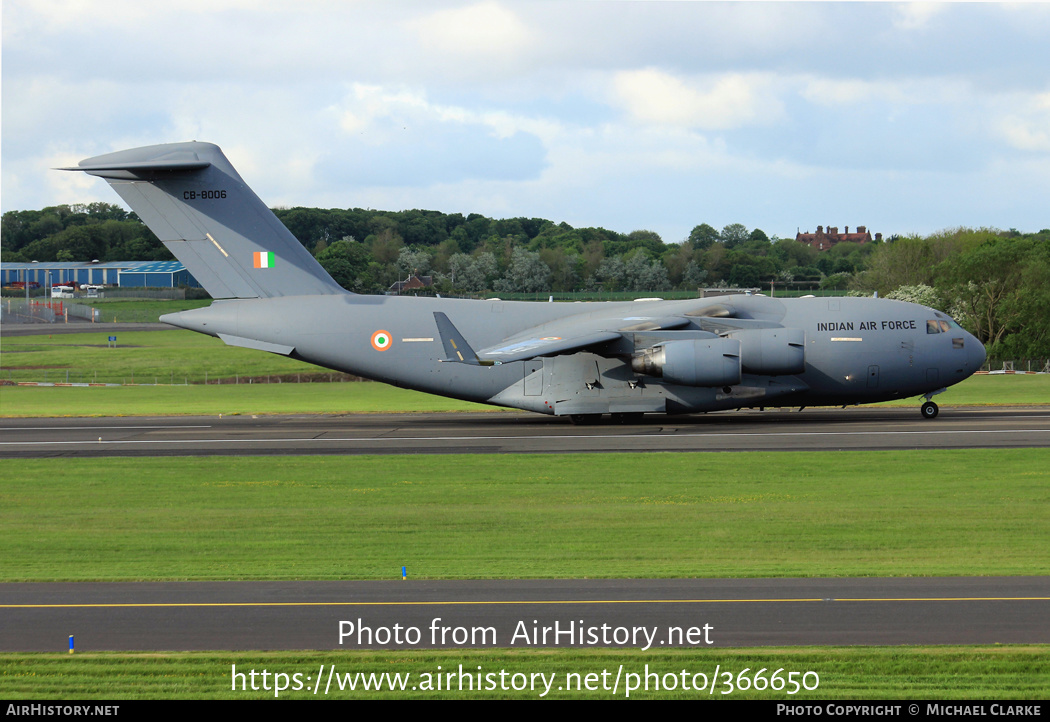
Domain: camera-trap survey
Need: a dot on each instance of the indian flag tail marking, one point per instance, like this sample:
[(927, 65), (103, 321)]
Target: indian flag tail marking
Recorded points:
[(264, 259)]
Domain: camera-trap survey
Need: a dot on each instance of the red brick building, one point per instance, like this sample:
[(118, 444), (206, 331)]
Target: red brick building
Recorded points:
[(823, 240), (411, 283)]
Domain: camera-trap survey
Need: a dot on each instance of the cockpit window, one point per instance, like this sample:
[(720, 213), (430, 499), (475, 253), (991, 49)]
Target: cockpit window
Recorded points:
[(941, 326)]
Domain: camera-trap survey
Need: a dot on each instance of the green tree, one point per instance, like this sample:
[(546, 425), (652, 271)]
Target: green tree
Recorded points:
[(412, 261), (345, 260), (910, 260), (641, 274), (611, 273), (758, 235), (702, 236), (472, 274), (733, 235), (565, 268), (998, 290), (695, 275), (525, 274)]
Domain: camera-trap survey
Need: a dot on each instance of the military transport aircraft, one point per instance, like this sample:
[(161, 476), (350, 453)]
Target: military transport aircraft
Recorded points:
[(580, 360)]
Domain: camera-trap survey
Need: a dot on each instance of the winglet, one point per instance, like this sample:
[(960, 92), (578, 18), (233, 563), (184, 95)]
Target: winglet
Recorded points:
[(456, 347)]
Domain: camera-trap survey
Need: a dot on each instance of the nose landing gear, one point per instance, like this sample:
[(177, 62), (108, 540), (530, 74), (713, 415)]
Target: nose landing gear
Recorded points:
[(929, 410)]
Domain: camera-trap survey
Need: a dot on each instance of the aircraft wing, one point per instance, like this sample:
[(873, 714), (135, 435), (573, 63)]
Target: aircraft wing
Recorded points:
[(523, 349), (590, 331), (572, 334)]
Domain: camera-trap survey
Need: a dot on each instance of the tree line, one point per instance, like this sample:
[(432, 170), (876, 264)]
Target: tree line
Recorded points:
[(996, 283), (368, 250)]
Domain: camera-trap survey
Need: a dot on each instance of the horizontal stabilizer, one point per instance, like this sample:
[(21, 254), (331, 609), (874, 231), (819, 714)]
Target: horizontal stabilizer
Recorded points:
[(140, 168), (256, 344)]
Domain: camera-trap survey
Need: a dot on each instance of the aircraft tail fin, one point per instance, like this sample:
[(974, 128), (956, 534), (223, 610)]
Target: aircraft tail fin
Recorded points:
[(191, 197)]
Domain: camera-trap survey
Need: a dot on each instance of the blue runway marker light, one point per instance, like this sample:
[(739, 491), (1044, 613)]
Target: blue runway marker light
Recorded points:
[(71, 644), (404, 574)]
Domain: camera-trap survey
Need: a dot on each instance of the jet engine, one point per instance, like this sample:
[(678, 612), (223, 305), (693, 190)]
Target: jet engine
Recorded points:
[(692, 362), (772, 351)]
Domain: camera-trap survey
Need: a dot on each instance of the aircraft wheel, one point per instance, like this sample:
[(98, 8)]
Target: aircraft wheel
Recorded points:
[(585, 419), (929, 410)]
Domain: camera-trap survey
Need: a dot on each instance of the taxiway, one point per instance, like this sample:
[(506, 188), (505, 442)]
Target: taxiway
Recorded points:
[(493, 433), (511, 613)]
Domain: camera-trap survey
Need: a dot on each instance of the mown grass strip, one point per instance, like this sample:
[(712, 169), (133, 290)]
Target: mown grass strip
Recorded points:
[(921, 673), (992, 390), (369, 397), (879, 513), (143, 357), (356, 397), (139, 310)]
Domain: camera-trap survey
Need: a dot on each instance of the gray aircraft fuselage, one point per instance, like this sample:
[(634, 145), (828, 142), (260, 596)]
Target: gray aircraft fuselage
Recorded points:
[(857, 350), (567, 359)]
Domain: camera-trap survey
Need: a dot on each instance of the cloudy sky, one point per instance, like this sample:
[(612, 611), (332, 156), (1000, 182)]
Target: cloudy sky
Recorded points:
[(628, 115)]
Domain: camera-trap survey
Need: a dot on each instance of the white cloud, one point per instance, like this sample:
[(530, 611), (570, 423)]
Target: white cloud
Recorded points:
[(69, 184), (486, 30), (612, 112), (915, 15), (1028, 129), (831, 92), (715, 103), (371, 111)]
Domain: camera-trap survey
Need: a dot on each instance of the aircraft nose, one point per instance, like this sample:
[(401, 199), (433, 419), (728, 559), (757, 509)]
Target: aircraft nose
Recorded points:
[(977, 353)]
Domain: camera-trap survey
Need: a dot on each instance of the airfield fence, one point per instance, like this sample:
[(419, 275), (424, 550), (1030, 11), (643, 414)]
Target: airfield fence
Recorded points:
[(1017, 366), (107, 314), (21, 311), (42, 311), (62, 376), (88, 313), (156, 294)]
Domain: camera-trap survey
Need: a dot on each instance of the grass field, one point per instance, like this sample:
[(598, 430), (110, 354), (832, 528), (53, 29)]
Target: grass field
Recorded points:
[(888, 673), (261, 398), (370, 397), (143, 357), (891, 513)]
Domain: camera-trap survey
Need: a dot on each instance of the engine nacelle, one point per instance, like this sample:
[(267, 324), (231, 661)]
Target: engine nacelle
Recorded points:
[(772, 351), (692, 362)]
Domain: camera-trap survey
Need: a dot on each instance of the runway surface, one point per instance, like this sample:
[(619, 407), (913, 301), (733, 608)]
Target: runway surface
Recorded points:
[(489, 433), (513, 613)]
